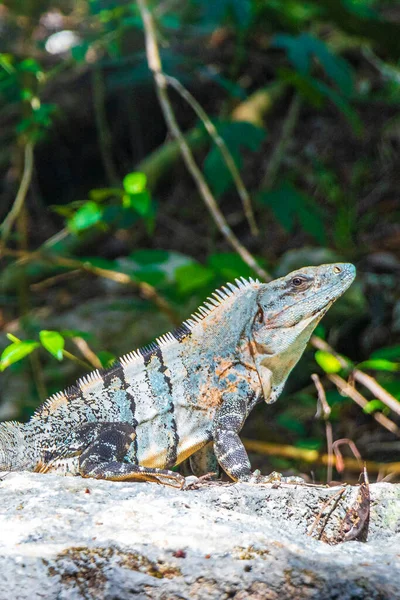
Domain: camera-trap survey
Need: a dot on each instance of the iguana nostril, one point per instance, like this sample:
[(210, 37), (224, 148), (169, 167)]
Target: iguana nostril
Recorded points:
[(337, 269)]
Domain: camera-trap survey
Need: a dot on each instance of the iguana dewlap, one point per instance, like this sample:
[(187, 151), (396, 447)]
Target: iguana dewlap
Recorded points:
[(163, 403)]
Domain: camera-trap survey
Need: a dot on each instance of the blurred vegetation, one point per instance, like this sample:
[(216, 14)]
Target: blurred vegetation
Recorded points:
[(291, 110)]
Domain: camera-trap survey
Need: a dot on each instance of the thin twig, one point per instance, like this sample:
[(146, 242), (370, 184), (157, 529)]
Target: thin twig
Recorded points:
[(336, 496), (313, 456), (147, 291), (339, 457), (8, 222), (358, 375), (325, 410), (348, 390), (378, 391), (222, 147), (279, 151), (87, 352), (154, 62), (54, 280), (74, 358)]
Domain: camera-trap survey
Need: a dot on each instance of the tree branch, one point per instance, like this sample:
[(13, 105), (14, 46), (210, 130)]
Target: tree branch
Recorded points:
[(8, 222), (154, 62)]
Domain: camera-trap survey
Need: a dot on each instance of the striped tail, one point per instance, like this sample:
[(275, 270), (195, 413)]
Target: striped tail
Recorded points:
[(15, 453)]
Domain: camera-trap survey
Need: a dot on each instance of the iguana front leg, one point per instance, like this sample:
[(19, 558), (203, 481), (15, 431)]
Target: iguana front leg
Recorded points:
[(228, 447)]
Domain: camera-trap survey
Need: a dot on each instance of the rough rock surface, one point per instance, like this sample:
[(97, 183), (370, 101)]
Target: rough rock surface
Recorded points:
[(71, 538)]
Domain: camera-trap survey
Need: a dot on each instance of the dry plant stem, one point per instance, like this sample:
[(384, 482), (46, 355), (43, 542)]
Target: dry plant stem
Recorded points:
[(87, 352), (154, 62), (222, 147), (77, 360), (378, 391), (9, 221), (147, 291), (348, 390), (317, 519), (50, 281), (326, 411), (278, 153), (357, 375), (313, 456), (339, 457)]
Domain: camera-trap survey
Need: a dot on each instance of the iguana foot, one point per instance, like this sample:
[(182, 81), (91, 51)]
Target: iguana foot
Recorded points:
[(274, 477)]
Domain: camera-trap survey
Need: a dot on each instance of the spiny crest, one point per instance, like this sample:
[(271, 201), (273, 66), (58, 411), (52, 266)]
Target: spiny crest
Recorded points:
[(217, 299), (213, 302)]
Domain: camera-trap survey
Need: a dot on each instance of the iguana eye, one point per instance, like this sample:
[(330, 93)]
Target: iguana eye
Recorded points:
[(299, 281), (296, 281)]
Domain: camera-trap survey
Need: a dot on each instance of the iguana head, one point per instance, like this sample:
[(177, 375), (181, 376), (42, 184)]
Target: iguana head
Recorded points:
[(288, 310)]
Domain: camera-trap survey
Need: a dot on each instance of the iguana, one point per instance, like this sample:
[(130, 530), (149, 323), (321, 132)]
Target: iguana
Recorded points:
[(163, 403)]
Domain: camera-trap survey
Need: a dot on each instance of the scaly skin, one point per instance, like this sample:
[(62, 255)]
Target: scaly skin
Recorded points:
[(197, 385)]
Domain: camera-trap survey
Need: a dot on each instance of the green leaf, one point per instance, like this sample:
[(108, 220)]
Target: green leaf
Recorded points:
[(53, 342), (229, 265), (12, 338), (238, 136), (289, 206), (16, 351), (300, 51), (215, 13), (150, 256), (71, 333), (88, 215), (140, 202), (106, 358), (192, 277), (327, 362), (79, 52), (98, 195), (135, 183), (379, 364), (389, 353), (374, 405), (291, 423)]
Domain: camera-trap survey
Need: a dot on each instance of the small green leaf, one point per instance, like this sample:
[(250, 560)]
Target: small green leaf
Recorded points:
[(106, 358), (192, 277), (389, 353), (86, 216), (238, 136), (374, 405), (71, 333), (229, 265), (327, 362), (53, 342), (100, 194), (289, 205), (12, 338), (379, 364), (139, 201), (135, 183), (16, 351), (79, 52), (150, 256)]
